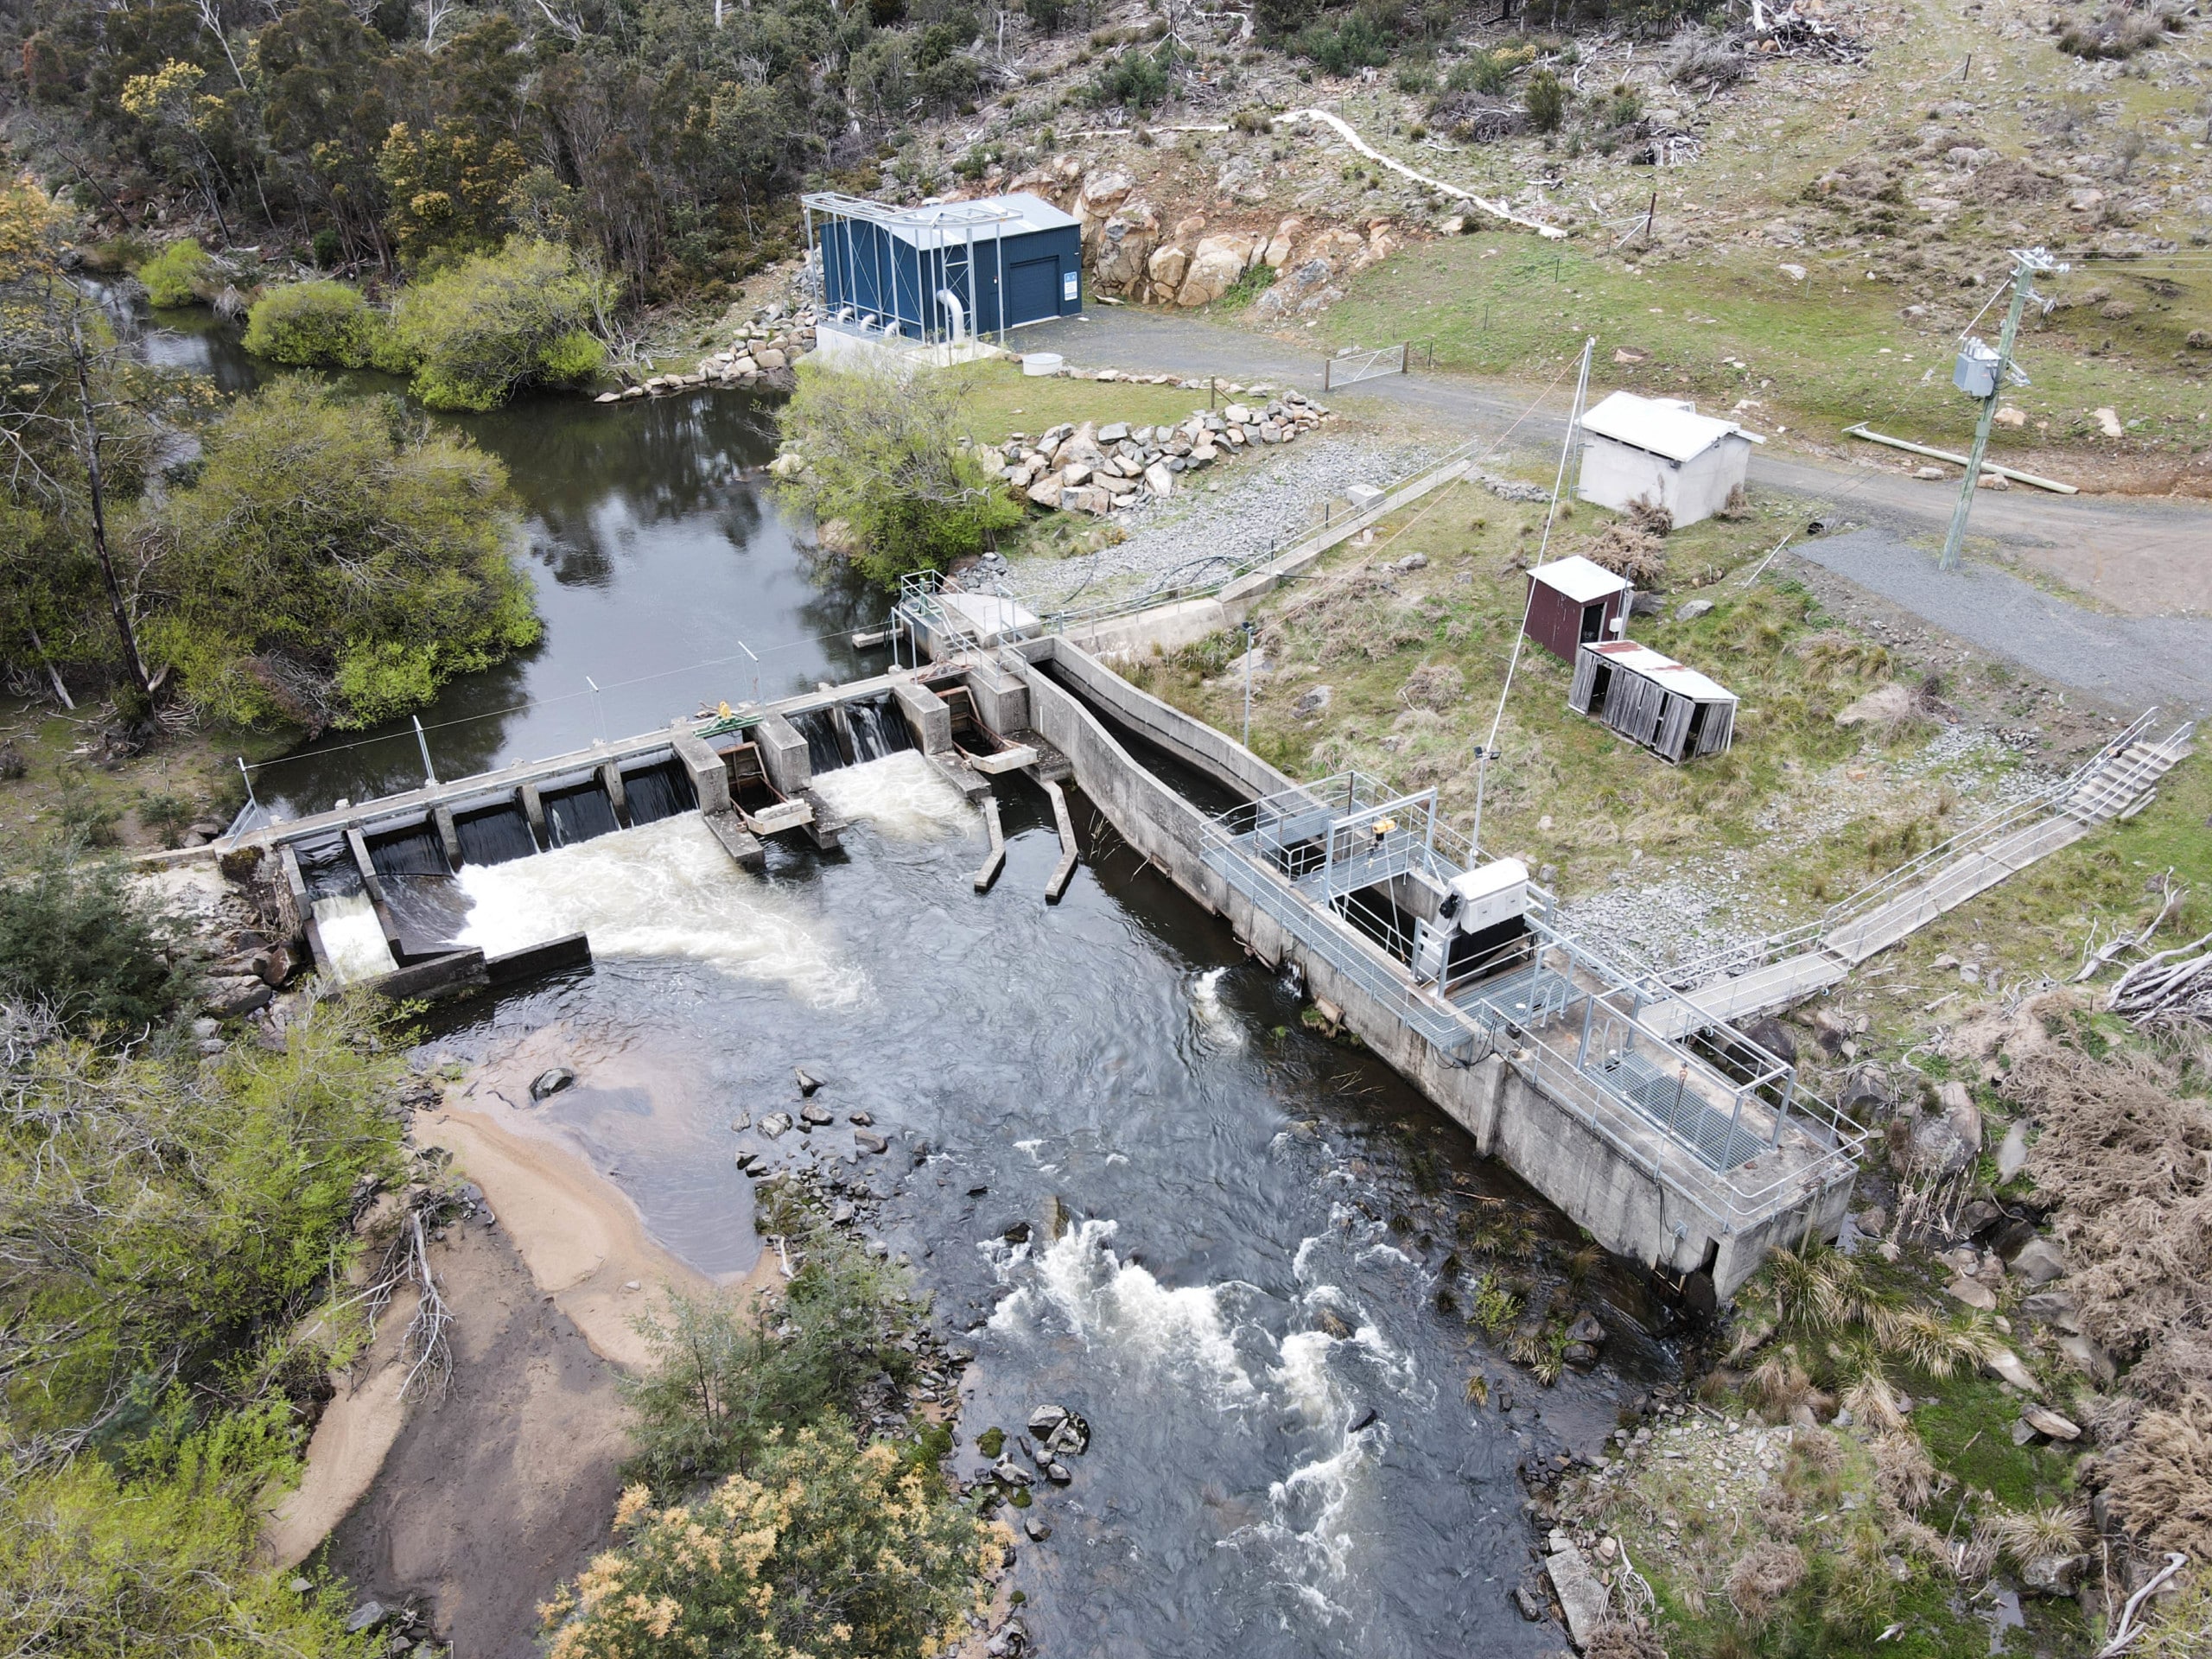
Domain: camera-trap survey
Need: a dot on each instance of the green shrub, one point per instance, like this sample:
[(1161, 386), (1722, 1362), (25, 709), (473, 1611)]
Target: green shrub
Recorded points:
[(78, 939), (162, 1555), (335, 562), (1354, 42), (497, 324), (828, 1552), (328, 246), (1136, 78), (187, 1212), (1546, 100), (725, 1379), (1248, 288), (315, 324), (178, 275), (883, 455)]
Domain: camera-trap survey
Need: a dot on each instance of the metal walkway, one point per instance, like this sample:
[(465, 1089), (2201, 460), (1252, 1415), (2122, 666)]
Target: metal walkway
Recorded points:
[(2117, 783)]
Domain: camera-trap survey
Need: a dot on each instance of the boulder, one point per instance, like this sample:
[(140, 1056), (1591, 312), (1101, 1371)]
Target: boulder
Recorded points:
[(1158, 480), (2007, 1367), (1103, 190), (2087, 1358), (2053, 1307), (1113, 432), (1311, 703), (1693, 609), (230, 996), (2049, 1424), (2038, 1262), (775, 1124), (2012, 1152), (1580, 1590), (366, 1617), (1049, 491), (551, 1081), (1166, 266), (1770, 1034), (868, 1142), (819, 1116), (1216, 262)]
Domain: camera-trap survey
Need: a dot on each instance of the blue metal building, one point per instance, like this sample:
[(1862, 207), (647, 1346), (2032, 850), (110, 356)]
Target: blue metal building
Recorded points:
[(944, 273)]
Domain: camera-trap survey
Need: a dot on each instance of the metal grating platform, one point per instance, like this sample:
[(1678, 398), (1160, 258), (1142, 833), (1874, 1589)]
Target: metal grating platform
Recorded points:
[(1719, 1143), (1526, 998)]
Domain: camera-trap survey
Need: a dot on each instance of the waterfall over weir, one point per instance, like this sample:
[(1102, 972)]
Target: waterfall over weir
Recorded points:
[(659, 792), (819, 727), (494, 836), (878, 728), (577, 815)]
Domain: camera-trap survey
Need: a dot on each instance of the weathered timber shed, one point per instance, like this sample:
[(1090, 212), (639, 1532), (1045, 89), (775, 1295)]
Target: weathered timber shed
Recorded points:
[(1663, 452), (1573, 602), (1651, 699), (947, 273)]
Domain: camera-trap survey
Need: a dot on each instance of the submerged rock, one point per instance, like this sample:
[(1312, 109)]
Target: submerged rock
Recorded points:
[(551, 1081), (808, 1083)]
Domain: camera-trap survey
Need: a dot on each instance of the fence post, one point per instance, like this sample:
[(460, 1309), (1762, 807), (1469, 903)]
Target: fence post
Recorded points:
[(1327, 363), (1405, 358)]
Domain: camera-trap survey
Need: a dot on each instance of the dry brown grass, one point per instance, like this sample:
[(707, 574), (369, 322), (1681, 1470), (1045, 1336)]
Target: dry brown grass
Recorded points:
[(1762, 1576), (2128, 1157), (2160, 1481), (1627, 550)]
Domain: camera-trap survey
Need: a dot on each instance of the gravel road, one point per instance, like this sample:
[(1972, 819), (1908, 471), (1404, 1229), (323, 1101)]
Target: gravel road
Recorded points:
[(2144, 559)]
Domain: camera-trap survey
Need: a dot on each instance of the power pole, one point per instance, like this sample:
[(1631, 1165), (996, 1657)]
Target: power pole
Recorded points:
[(1984, 374)]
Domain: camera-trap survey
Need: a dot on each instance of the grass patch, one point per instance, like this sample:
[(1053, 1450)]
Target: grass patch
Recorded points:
[(1414, 660), (1818, 354), (998, 398), (1967, 1428)]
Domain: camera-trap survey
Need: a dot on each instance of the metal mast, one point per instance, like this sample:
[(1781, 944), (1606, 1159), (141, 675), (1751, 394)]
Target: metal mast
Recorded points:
[(1982, 373)]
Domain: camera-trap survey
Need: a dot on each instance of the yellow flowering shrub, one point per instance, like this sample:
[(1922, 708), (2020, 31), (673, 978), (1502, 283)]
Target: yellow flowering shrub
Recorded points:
[(826, 1551)]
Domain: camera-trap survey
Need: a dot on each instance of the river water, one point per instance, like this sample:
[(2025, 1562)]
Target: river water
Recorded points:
[(1248, 1252), (659, 564)]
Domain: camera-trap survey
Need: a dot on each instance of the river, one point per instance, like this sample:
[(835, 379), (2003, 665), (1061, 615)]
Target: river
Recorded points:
[(1129, 1180)]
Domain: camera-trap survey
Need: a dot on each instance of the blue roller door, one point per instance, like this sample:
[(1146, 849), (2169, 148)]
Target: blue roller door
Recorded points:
[(1032, 289)]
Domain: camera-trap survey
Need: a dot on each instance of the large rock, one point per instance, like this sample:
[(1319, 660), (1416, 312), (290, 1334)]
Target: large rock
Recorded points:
[(1047, 490), (230, 996), (1158, 480), (1166, 266), (551, 1081), (2039, 1262), (1580, 1590), (1216, 263), (1948, 1140), (1123, 245), (2007, 1367), (2012, 1152)]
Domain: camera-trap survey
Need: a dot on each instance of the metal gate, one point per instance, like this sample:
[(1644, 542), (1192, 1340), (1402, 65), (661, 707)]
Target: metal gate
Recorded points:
[(1353, 365)]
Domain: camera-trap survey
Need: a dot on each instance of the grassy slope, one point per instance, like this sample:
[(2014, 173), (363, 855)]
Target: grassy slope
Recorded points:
[(1712, 293), (1568, 793), (64, 793)]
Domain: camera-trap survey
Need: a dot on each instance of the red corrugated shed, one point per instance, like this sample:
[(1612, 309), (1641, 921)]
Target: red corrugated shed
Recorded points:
[(1573, 602)]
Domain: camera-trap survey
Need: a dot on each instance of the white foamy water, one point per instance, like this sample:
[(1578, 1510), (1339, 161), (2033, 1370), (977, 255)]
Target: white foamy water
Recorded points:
[(352, 938), (902, 796), (666, 890), (1220, 1027), (1129, 1320), (1080, 1284)]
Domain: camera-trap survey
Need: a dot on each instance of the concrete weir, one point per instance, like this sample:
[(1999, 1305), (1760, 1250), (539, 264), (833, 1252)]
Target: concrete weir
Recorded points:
[(1692, 1159), (749, 774)]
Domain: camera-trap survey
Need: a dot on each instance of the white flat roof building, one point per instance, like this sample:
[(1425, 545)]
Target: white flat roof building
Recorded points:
[(1661, 451)]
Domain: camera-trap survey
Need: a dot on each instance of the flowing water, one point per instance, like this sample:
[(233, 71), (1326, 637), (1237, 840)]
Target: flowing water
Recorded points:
[(1132, 1184), (1129, 1180)]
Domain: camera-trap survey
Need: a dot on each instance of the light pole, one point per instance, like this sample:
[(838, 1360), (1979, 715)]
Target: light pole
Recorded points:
[(1982, 374)]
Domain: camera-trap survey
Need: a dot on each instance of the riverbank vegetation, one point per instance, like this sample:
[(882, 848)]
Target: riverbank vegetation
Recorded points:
[(173, 1224), (814, 1537), (324, 560), (878, 461)]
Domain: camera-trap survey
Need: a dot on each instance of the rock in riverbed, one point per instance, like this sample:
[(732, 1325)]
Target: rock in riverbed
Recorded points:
[(551, 1081)]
